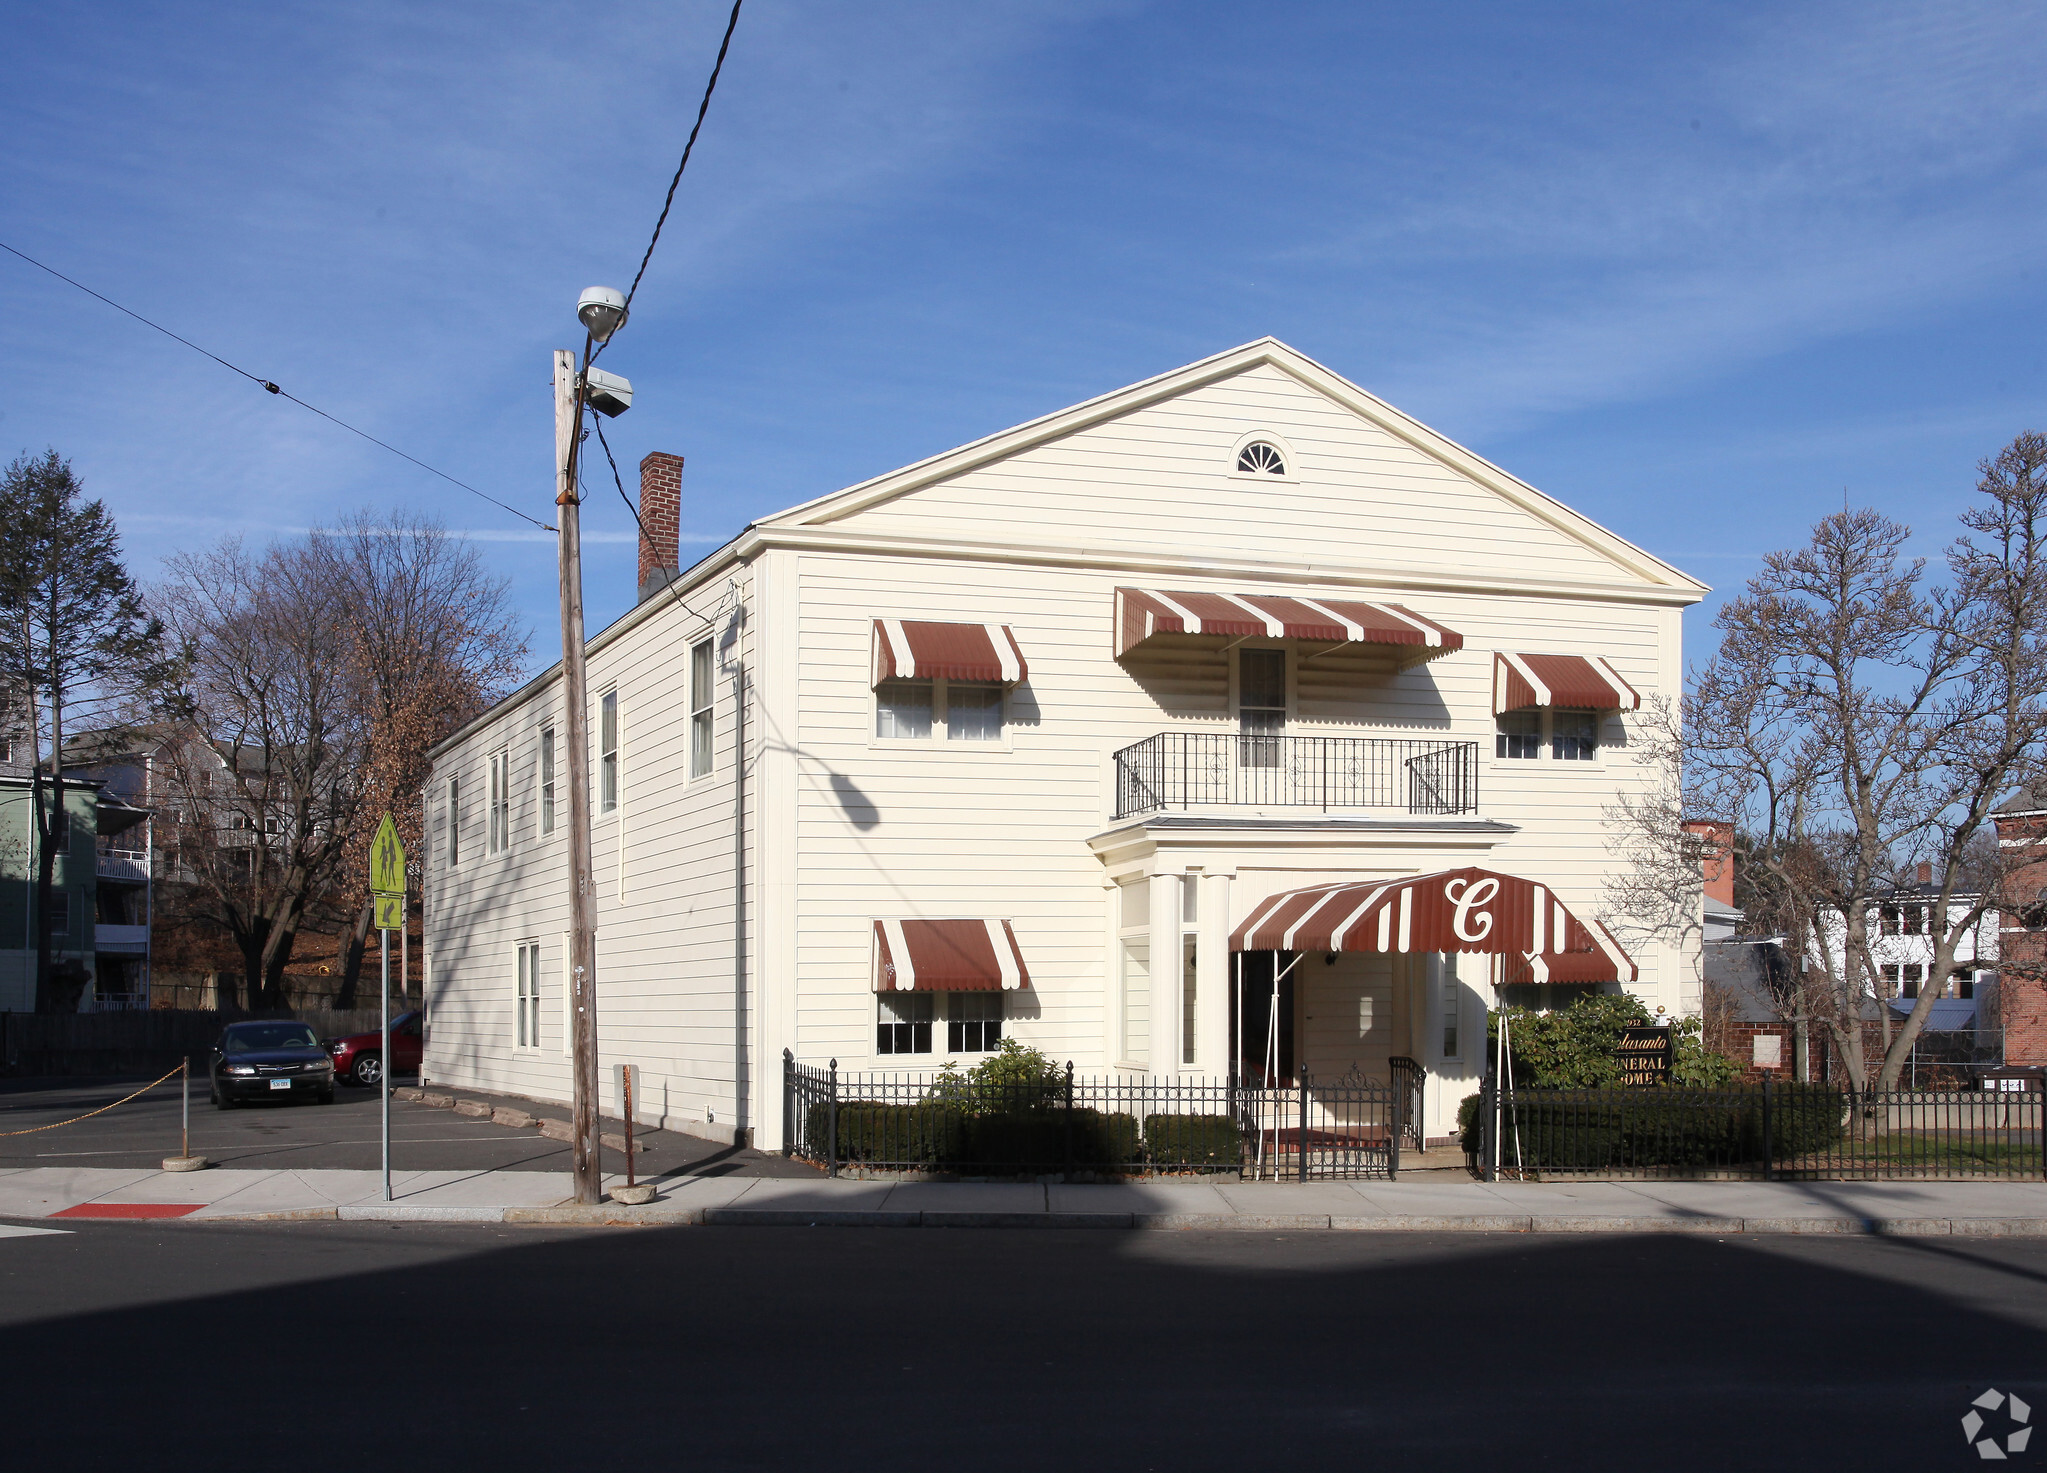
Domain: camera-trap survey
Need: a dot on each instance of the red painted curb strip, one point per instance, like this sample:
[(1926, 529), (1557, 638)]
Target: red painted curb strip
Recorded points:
[(130, 1209)]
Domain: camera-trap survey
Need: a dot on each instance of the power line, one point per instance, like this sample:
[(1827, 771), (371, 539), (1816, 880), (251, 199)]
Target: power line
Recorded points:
[(265, 383), (702, 108)]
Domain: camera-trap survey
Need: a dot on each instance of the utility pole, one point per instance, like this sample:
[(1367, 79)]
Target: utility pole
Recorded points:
[(582, 978)]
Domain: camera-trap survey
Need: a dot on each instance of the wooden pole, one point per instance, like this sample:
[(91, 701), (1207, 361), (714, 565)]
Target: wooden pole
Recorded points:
[(582, 979)]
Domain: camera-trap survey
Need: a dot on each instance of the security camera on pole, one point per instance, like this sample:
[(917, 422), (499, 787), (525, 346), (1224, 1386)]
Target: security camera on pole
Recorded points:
[(602, 311)]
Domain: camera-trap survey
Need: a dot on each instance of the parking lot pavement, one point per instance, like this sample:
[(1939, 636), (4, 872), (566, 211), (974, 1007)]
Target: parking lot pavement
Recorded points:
[(302, 1136)]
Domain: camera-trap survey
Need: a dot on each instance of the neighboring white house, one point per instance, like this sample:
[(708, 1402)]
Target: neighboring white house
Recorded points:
[(1061, 736), (1903, 934)]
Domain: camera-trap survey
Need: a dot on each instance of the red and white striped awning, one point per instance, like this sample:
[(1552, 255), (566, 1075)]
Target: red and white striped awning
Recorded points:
[(1142, 613), (1575, 682), (1451, 910), (915, 649), (947, 956)]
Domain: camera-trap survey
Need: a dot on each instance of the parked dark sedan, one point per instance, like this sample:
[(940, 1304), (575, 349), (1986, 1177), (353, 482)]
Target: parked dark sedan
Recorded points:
[(271, 1059)]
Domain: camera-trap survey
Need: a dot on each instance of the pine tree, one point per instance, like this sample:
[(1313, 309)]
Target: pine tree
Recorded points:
[(78, 642)]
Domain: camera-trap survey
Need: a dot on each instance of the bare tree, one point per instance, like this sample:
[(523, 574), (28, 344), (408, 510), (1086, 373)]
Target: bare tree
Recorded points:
[(434, 644), (266, 781), (1858, 722), (1656, 892)]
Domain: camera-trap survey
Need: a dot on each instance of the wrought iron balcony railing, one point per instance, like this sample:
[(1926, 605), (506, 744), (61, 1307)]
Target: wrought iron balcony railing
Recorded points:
[(1189, 769)]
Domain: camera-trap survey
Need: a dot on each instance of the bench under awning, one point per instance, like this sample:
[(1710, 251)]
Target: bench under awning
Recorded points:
[(1471, 909), (978, 955)]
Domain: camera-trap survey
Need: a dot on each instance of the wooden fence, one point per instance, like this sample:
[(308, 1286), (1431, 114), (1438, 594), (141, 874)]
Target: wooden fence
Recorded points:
[(144, 1039)]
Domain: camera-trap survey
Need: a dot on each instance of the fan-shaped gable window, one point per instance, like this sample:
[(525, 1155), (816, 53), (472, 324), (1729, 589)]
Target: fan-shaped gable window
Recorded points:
[(1261, 459)]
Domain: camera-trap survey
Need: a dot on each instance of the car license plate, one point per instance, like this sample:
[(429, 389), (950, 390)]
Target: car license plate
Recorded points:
[(280, 1084)]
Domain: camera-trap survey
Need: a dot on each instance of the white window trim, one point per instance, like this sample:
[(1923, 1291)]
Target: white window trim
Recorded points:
[(451, 801), (546, 784), (938, 741), (497, 816), (526, 954), (1262, 478), (1545, 746), (610, 693), (1293, 682), (709, 708)]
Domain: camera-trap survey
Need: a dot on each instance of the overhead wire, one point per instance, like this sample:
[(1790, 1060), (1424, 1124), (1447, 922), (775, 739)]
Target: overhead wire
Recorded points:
[(703, 107), (266, 384)]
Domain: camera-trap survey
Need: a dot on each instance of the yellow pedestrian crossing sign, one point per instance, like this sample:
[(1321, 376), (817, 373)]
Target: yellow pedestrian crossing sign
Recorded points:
[(390, 912), (387, 860)]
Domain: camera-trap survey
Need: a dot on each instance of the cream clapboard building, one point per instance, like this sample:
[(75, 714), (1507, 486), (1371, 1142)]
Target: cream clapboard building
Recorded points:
[(1014, 741)]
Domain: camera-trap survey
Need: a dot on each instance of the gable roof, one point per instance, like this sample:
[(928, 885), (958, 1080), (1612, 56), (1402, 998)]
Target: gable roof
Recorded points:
[(1637, 564)]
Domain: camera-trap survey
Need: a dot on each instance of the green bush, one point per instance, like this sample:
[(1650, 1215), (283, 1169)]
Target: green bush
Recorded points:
[(1193, 1140), (1036, 1140), (1803, 1118), (1013, 1078), (1573, 1047), (1470, 1125), (926, 1133)]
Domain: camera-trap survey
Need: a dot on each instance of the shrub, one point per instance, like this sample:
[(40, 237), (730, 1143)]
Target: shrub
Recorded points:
[(1573, 1047), (1014, 1077), (1193, 1140), (1803, 1118), (924, 1133), (1470, 1125), (1037, 1139)]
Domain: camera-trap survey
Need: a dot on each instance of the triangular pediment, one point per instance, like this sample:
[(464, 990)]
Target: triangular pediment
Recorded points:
[(1152, 469)]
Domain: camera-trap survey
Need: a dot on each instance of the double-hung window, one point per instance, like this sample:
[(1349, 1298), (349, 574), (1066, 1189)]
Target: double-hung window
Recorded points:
[(607, 753), (975, 1022), (702, 727), (454, 819), (947, 710), (498, 836), (1518, 735), (1574, 735), (547, 780), (527, 1022), (905, 1025)]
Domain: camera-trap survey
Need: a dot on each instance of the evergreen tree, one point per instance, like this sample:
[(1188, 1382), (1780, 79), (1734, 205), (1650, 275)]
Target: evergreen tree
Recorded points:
[(79, 645)]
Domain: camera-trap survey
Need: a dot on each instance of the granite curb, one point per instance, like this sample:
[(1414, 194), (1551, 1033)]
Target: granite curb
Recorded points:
[(659, 1215)]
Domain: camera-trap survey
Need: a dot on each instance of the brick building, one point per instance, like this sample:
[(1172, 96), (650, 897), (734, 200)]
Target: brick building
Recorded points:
[(2022, 939)]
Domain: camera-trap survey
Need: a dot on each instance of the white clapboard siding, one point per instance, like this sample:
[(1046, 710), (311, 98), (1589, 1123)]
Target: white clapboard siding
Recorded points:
[(736, 921)]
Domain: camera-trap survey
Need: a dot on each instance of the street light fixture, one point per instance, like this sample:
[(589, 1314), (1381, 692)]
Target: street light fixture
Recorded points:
[(602, 310)]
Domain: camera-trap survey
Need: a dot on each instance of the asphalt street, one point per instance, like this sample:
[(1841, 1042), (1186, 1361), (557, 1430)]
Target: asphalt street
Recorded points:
[(364, 1345), (290, 1136)]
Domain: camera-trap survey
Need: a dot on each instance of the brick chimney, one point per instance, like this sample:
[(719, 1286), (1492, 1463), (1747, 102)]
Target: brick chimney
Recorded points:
[(1926, 872), (1718, 860), (661, 517)]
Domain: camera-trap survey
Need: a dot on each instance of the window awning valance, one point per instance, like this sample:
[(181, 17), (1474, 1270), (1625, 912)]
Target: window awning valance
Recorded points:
[(979, 955), (1575, 682), (1145, 613), (917, 649), (1470, 909)]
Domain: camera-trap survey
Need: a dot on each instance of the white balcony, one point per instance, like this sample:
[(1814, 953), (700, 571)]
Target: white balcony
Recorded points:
[(120, 940)]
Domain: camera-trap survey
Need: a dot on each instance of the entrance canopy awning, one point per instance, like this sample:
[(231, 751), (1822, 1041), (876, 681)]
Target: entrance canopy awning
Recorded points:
[(1469, 909), (1574, 682), (978, 955), (1146, 613), (918, 649)]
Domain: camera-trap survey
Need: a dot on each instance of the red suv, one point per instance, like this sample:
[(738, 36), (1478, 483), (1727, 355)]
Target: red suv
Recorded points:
[(359, 1058)]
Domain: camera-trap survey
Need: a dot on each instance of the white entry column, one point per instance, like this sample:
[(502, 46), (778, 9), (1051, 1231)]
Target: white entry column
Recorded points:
[(1166, 900), (1212, 975)]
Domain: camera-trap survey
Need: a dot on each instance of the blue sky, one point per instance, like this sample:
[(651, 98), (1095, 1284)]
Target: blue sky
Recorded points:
[(1693, 269)]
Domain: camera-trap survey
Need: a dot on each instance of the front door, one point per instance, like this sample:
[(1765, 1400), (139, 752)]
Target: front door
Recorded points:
[(1262, 1018)]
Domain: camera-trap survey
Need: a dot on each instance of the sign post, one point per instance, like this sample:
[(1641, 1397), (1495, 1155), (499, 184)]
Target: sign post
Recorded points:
[(387, 894)]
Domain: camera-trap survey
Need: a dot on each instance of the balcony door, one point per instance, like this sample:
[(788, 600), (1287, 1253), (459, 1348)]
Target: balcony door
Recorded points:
[(1261, 706)]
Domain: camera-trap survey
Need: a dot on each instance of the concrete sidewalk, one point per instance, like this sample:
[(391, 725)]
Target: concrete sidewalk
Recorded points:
[(1970, 1209)]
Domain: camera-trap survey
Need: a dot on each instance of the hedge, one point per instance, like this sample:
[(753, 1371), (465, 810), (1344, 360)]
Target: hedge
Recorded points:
[(1193, 1140), (1603, 1130)]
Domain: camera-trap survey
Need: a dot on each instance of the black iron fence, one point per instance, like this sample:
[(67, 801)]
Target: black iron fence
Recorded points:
[(1077, 1128), (1191, 769), (1786, 1132)]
